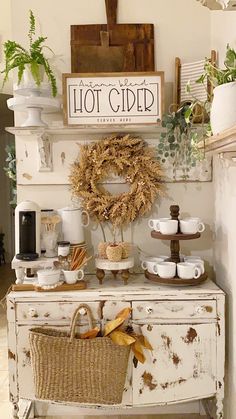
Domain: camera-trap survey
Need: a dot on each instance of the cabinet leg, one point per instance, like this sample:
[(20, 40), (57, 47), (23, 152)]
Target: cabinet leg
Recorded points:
[(100, 275), (20, 275), (125, 276), (15, 410), (219, 407)]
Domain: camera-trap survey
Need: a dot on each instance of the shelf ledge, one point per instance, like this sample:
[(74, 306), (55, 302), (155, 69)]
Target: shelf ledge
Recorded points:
[(153, 130), (224, 142)]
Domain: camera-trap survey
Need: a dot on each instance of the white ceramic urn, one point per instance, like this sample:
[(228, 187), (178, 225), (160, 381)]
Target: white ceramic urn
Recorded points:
[(223, 109), (73, 224)]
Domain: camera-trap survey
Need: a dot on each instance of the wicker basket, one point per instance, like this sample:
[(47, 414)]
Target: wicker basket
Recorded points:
[(67, 368)]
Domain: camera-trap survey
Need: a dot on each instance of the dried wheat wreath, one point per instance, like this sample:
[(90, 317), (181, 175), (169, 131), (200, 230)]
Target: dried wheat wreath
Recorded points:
[(125, 156)]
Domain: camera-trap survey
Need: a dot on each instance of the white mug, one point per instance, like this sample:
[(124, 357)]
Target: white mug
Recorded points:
[(189, 258), (71, 277), (188, 270), (191, 226), (167, 226), (153, 223), (196, 261), (166, 269), (151, 265)]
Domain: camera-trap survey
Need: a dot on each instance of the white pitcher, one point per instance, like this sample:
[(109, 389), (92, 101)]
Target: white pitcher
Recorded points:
[(72, 224)]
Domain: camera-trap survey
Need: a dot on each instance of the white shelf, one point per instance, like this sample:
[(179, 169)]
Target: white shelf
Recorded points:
[(147, 130), (224, 142), (41, 262)]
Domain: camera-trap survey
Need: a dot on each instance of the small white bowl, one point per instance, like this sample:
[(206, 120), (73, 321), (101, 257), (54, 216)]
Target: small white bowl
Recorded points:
[(48, 276)]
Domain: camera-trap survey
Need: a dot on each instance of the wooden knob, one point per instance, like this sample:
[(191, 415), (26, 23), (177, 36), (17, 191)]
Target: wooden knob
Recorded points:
[(174, 212)]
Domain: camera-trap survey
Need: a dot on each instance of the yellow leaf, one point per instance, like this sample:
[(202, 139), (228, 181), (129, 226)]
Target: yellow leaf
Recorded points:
[(121, 338), (138, 352), (124, 314), (145, 343), (112, 325), (91, 334)]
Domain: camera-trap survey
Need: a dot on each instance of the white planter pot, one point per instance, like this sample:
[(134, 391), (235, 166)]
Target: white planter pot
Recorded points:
[(223, 109), (28, 87)]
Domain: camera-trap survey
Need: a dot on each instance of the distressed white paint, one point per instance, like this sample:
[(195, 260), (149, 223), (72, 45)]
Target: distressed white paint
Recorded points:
[(199, 362), (58, 148), (178, 367), (176, 309)]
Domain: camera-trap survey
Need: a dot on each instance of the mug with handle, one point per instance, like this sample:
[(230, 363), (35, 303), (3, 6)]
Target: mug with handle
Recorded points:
[(188, 270), (71, 277), (150, 266), (167, 226), (191, 226), (153, 223), (197, 262)]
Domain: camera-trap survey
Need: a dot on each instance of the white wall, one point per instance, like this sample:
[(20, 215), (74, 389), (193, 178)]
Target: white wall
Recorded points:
[(5, 33), (223, 31), (225, 266)]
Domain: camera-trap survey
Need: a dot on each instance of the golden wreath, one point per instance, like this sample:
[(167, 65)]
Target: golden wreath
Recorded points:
[(127, 157)]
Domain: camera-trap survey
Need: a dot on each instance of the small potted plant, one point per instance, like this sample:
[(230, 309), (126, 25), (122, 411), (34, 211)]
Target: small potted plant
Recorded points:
[(31, 63), (223, 109)]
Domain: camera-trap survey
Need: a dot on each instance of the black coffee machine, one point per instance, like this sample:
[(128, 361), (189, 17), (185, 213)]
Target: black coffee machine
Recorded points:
[(27, 230)]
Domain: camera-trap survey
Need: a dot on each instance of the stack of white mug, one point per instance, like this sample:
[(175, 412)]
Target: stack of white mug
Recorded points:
[(190, 225), (190, 267)]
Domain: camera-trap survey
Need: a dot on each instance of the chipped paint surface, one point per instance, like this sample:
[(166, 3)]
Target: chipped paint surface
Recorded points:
[(190, 336), (176, 360), (186, 363), (11, 355), (183, 360), (27, 176), (63, 157), (148, 380), (167, 341)]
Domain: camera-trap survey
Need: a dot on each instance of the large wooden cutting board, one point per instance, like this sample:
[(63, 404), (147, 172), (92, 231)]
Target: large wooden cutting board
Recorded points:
[(128, 47)]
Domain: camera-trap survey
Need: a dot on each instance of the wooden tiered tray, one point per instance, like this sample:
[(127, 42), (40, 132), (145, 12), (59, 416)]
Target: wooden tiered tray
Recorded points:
[(176, 280), (175, 254)]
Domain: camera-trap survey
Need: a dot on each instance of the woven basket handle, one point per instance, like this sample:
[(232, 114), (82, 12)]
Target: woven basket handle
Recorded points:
[(75, 318)]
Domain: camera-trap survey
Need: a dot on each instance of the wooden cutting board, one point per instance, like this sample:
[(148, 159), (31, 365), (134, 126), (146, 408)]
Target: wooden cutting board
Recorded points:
[(125, 47), (80, 285)]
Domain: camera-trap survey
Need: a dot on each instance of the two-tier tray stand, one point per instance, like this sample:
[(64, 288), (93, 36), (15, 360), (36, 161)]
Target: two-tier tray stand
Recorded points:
[(175, 253)]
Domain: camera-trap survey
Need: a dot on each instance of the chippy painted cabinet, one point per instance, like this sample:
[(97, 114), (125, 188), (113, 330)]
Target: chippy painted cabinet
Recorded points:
[(185, 326)]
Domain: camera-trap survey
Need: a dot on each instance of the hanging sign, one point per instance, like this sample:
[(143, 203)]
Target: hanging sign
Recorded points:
[(113, 98)]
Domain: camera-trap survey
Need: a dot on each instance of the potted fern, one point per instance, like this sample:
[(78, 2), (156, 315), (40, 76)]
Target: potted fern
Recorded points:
[(223, 108), (31, 64)]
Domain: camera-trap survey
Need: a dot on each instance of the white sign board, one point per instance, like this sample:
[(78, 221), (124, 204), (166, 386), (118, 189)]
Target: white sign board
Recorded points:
[(113, 98)]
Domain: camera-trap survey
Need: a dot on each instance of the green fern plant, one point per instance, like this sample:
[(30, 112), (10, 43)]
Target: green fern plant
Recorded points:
[(16, 56)]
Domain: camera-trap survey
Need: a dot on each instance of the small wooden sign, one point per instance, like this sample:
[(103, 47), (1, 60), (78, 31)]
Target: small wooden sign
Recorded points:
[(113, 98)]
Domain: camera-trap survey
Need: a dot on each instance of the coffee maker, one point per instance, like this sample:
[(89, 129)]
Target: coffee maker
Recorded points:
[(27, 231)]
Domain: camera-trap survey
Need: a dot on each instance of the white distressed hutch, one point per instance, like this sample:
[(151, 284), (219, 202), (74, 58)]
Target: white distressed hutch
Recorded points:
[(185, 326)]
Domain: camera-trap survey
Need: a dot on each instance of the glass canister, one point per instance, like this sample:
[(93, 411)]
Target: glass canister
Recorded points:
[(63, 248)]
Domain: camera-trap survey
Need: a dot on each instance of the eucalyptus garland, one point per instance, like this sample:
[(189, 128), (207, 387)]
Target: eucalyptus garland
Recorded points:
[(127, 157)]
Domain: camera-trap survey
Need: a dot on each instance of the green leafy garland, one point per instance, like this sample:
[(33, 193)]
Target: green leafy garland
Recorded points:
[(178, 143), (10, 170)]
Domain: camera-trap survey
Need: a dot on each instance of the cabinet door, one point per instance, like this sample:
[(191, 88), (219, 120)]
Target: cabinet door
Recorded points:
[(181, 366)]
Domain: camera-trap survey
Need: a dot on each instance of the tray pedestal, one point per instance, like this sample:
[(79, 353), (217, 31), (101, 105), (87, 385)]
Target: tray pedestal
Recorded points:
[(121, 267)]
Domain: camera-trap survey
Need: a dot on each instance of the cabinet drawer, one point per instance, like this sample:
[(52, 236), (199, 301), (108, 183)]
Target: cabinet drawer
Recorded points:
[(53, 311), (112, 308), (194, 309)]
